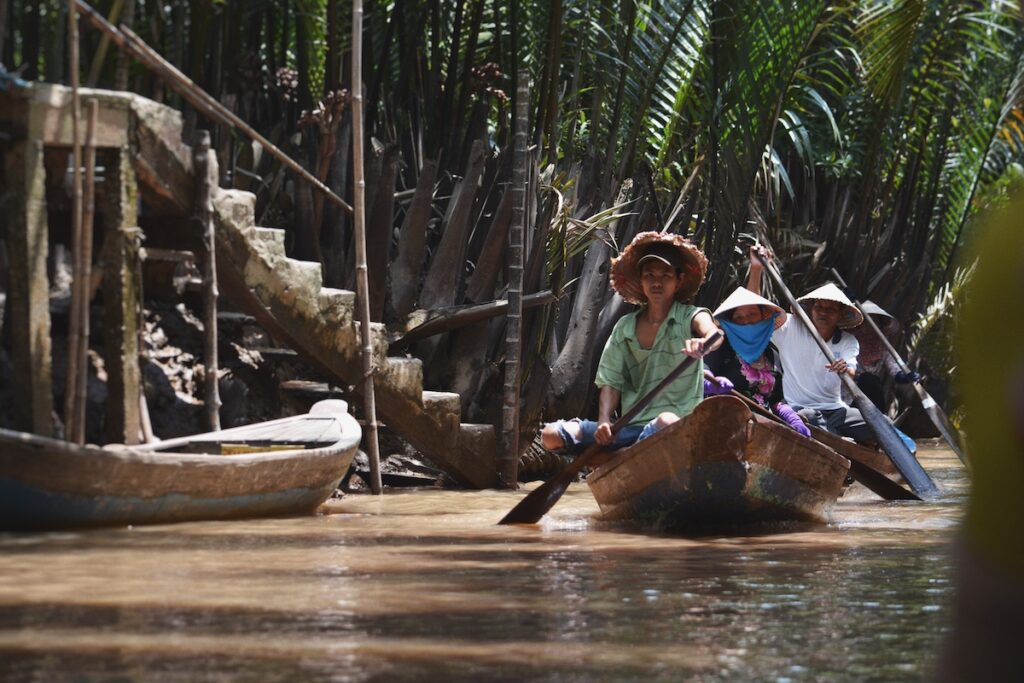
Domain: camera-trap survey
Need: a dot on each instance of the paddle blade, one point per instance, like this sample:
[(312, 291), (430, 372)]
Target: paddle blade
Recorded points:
[(537, 503), (878, 483), (941, 422), (894, 447)]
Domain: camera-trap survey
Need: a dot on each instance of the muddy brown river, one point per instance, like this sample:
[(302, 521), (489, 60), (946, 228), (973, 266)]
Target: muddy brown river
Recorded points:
[(424, 586)]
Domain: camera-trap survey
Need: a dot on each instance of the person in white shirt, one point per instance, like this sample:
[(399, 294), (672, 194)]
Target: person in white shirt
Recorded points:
[(813, 386)]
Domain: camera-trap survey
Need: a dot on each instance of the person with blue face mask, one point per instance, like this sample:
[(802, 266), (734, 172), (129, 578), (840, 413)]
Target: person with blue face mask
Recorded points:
[(747, 358)]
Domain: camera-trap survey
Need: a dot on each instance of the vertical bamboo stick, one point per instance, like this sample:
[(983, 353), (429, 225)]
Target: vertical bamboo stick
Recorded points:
[(101, 52), (507, 469), (85, 273), (359, 214), (78, 288), (206, 174)]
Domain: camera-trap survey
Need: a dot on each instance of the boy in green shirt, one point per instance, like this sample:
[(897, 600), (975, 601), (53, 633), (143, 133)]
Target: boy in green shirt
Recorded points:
[(659, 271)]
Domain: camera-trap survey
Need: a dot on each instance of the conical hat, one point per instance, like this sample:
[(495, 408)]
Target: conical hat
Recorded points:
[(625, 271), (888, 324), (850, 316), (871, 308), (744, 297)]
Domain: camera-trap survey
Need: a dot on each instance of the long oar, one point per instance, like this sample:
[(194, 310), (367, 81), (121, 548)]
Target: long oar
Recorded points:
[(935, 413), (884, 431), (536, 504)]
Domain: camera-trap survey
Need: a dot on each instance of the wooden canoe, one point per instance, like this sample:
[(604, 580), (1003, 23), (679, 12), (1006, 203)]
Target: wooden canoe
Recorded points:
[(285, 466), (720, 465)]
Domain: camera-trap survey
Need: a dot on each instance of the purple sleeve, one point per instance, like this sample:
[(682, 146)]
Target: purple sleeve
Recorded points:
[(790, 417)]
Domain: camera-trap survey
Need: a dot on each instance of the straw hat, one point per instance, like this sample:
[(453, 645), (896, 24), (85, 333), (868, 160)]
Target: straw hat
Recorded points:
[(669, 248), (850, 316), (744, 297)]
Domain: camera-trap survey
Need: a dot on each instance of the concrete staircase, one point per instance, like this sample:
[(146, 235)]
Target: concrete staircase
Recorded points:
[(287, 298)]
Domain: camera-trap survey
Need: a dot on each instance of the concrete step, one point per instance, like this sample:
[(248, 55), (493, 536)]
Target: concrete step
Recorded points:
[(238, 205), (336, 306), (378, 341), (271, 238), (300, 282), (405, 375), (477, 438), (444, 408)]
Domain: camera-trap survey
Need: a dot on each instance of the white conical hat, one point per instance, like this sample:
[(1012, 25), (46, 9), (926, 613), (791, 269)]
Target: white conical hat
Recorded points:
[(850, 318), (888, 323), (744, 297), (871, 308)]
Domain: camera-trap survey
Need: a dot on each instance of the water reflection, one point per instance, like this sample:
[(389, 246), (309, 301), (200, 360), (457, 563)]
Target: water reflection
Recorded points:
[(425, 586)]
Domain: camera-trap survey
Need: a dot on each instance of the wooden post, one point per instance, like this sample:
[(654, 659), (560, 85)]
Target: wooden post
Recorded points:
[(508, 465), (359, 215), (81, 285), (122, 297), (205, 164), (75, 316), (29, 295)]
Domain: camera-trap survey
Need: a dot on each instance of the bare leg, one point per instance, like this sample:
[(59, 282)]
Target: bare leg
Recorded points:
[(552, 439)]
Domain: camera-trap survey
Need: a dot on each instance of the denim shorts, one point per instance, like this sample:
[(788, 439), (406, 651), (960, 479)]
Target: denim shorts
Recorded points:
[(588, 428)]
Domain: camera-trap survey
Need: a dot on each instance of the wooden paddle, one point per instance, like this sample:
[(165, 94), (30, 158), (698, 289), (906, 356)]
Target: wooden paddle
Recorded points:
[(884, 430), (536, 504), (935, 413)]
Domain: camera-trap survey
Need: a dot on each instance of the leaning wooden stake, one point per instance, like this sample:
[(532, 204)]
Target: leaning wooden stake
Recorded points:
[(101, 52), (507, 469), (78, 287), (206, 172), (359, 215), (82, 284)]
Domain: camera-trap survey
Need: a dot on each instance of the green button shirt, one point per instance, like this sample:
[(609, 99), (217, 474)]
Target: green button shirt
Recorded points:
[(634, 370)]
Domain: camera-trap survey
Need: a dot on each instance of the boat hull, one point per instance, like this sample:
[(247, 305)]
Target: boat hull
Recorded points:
[(49, 484), (722, 465)]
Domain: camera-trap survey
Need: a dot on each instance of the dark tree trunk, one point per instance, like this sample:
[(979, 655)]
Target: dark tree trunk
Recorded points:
[(405, 272), (378, 233)]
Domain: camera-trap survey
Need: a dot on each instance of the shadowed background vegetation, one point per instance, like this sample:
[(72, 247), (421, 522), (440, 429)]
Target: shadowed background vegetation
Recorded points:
[(860, 135)]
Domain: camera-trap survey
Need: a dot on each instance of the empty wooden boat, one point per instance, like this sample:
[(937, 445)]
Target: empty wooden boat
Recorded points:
[(285, 466), (720, 465)]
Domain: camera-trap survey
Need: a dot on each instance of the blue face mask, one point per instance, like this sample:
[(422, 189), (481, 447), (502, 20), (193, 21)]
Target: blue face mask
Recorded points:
[(749, 341)]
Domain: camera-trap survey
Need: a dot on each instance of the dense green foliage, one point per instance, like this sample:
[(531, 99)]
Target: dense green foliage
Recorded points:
[(863, 135)]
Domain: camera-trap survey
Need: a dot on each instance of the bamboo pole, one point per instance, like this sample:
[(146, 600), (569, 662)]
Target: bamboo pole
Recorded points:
[(101, 52), (205, 170), (362, 279), (82, 284), (127, 40), (508, 464), (78, 288)]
